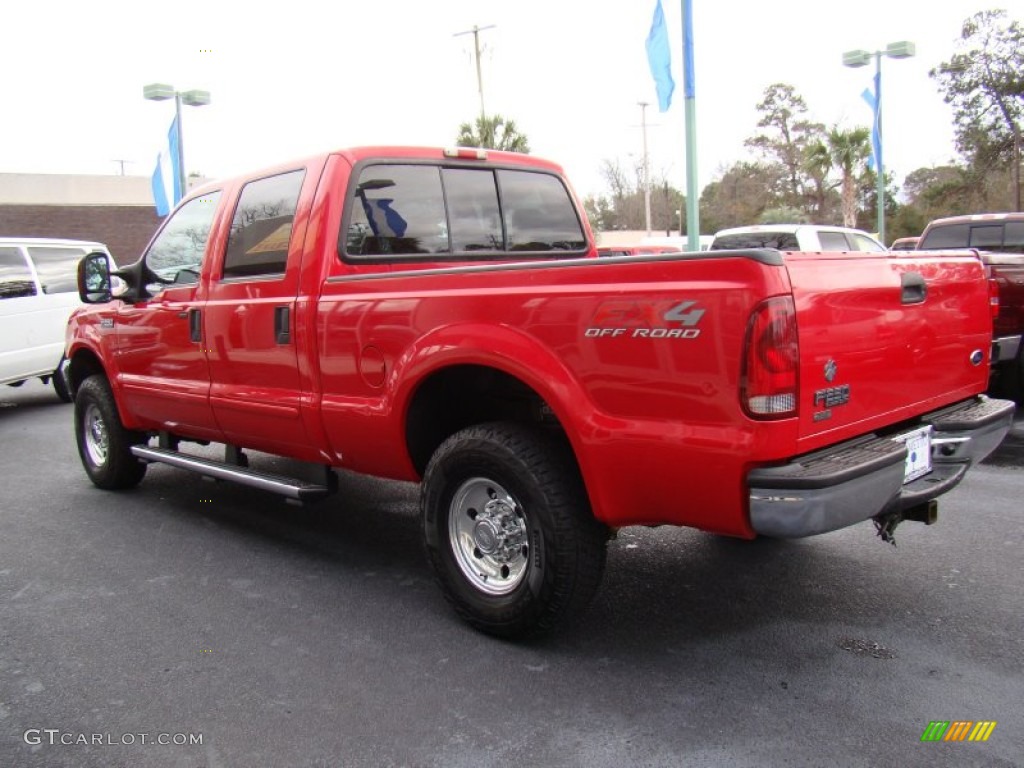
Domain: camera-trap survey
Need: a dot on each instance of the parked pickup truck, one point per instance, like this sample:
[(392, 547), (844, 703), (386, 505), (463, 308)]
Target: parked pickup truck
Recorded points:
[(998, 239), (441, 317)]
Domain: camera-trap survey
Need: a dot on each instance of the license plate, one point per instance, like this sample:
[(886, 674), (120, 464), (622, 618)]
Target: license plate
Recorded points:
[(919, 453)]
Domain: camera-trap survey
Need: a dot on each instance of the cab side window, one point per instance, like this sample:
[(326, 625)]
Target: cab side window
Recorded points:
[(15, 277), (861, 243), (57, 268), (262, 226), (397, 210), (539, 213), (176, 255), (833, 241)]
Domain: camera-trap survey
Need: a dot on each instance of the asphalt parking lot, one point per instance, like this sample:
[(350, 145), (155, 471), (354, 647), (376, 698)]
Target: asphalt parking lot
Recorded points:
[(188, 611)]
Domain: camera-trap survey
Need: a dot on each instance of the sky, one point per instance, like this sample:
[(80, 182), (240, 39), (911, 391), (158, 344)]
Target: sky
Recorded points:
[(290, 79)]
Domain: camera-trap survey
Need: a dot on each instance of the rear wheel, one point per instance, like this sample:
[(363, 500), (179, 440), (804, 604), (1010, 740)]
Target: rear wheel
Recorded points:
[(104, 444), (509, 531)]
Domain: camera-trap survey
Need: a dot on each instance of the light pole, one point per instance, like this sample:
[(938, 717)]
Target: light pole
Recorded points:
[(162, 92), (859, 58)]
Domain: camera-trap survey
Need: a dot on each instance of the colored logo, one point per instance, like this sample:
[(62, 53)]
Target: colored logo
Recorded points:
[(958, 730)]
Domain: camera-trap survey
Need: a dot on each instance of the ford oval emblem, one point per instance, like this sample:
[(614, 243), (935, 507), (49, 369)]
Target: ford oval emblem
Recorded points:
[(977, 357), (830, 370)]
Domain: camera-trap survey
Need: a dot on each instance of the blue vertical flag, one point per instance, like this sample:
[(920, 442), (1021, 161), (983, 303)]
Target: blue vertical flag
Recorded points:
[(876, 134), (166, 182), (660, 58)]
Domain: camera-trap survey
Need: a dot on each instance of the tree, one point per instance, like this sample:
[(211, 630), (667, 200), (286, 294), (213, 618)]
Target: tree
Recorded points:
[(818, 166), (493, 132), (984, 84), (624, 209), (783, 216), (847, 152), (787, 135), (744, 192)]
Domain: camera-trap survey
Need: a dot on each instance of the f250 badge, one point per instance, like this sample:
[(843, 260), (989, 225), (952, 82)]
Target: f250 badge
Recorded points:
[(639, 320), (830, 397)]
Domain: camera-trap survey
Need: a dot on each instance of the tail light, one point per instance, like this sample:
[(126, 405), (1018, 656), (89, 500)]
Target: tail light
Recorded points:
[(993, 298), (768, 385)]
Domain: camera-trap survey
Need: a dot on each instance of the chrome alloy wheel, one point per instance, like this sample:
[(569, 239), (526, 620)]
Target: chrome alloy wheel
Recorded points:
[(488, 536), (97, 441)]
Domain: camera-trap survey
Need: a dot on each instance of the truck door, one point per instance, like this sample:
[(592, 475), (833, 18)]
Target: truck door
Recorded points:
[(163, 370), (249, 319)]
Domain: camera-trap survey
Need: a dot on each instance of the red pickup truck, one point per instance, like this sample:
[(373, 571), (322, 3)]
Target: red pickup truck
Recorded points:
[(441, 317)]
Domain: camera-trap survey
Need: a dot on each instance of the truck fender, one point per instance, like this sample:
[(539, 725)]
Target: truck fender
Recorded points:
[(510, 351)]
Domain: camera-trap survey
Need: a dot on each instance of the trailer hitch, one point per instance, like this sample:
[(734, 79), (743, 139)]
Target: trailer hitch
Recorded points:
[(885, 523)]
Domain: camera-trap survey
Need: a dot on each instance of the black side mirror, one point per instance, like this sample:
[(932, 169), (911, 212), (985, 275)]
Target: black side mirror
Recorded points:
[(94, 279)]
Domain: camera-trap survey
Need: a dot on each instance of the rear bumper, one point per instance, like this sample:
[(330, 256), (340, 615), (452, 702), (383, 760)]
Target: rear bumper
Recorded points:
[(857, 480)]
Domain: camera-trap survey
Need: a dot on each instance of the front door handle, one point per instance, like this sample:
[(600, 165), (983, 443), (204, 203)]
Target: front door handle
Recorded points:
[(195, 326)]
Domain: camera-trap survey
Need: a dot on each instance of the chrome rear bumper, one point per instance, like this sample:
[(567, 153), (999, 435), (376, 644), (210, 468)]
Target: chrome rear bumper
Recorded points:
[(857, 480)]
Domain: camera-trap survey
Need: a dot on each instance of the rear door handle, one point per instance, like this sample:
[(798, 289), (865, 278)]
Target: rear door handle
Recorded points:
[(914, 289)]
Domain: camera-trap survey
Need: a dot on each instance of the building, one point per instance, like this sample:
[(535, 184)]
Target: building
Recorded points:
[(115, 210)]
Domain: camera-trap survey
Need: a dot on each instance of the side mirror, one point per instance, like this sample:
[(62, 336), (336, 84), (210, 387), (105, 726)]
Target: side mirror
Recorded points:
[(94, 279)]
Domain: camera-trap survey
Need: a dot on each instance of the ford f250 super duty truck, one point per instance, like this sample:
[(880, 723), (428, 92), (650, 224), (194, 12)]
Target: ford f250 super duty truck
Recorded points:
[(441, 317)]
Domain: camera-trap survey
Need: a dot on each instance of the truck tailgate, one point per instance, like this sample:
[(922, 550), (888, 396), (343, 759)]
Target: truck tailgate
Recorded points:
[(885, 338)]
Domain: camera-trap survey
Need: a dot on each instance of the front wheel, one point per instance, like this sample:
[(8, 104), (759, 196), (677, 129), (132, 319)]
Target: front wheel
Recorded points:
[(509, 531), (104, 445)]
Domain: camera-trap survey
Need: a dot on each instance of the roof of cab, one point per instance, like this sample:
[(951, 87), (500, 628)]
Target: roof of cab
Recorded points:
[(359, 154)]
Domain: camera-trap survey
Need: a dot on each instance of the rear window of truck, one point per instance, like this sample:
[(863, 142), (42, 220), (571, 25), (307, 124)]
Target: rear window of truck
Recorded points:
[(784, 241), (406, 211), (987, 236)]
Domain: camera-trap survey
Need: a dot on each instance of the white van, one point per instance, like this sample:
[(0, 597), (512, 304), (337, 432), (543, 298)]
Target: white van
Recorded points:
[(38, 291)]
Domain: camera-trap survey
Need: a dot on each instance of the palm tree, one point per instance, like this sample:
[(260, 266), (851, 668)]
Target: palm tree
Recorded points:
[(848, 151), (818, 164), (493, 133)]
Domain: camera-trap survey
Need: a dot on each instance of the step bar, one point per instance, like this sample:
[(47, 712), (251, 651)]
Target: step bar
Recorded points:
[(291, 488)]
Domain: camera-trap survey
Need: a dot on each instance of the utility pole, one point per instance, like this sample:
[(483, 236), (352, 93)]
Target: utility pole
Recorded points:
[(647, 170), (475, 31), (122, 164)]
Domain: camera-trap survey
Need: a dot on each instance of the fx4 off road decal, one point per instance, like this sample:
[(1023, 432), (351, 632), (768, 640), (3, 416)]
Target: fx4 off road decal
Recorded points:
[(646, 320)]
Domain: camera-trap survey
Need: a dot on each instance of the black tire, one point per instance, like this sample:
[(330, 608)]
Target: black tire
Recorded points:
[(1017, 379), (1009, 379), (509, 531), (59, 385), (104, 445)]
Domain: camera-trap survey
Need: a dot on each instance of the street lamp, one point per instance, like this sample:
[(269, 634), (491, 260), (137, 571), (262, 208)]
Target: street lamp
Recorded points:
[(162, 92), (859, 58)]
